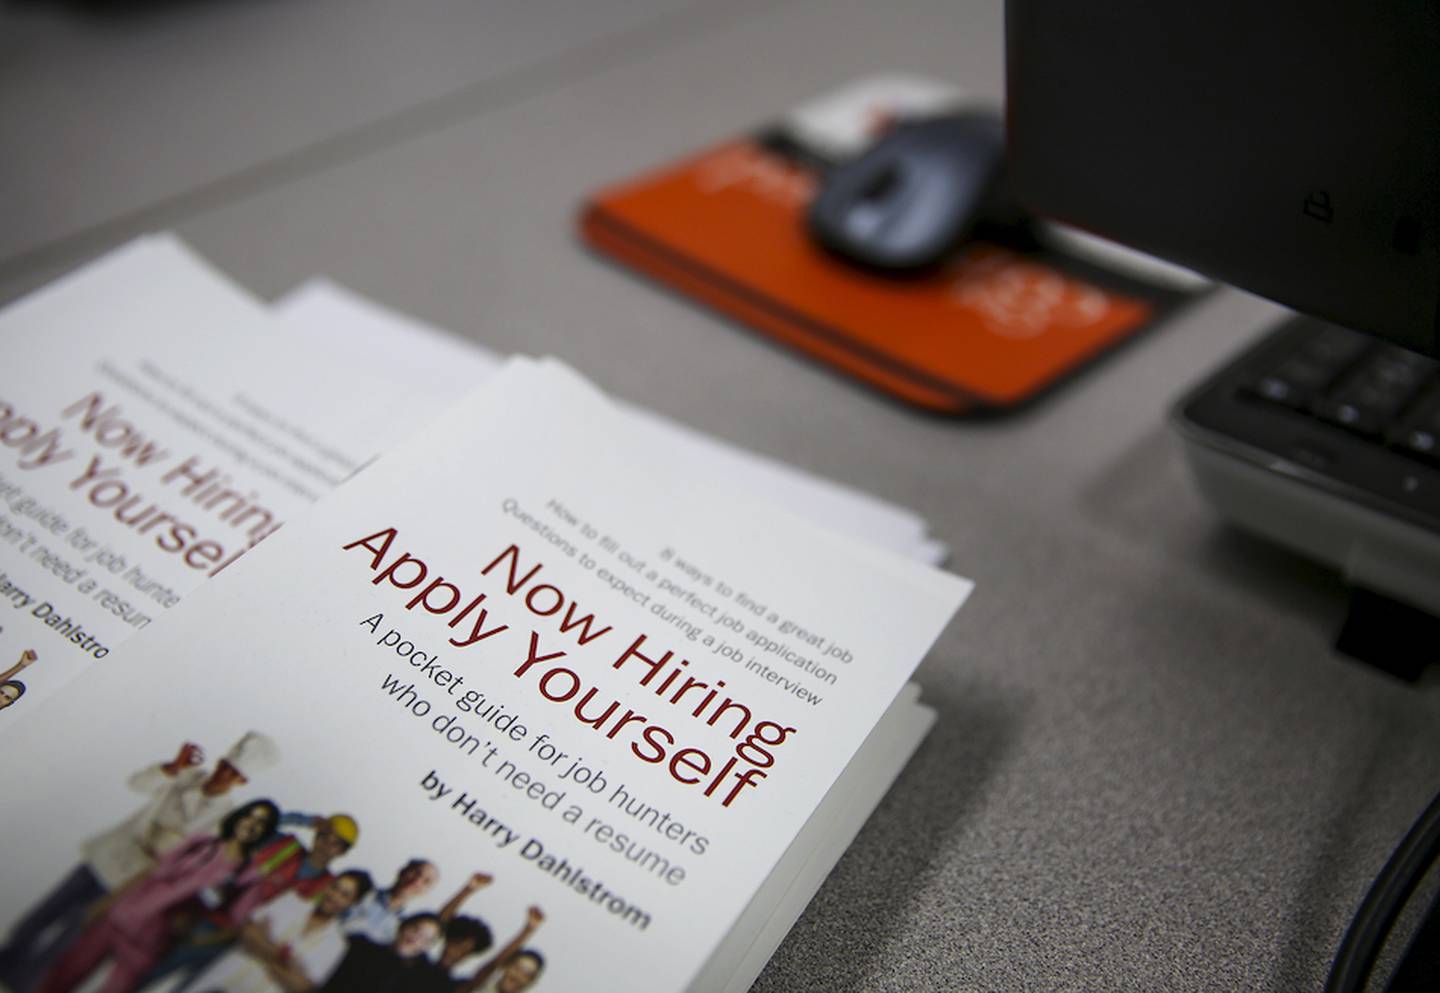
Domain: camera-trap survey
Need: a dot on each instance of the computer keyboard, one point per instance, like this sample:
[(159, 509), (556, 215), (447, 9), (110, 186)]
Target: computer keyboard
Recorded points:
[(1378, 391), (1328, 441), (1355, 415)]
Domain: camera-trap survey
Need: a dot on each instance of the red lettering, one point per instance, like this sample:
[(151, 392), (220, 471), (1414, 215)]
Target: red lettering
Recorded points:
[(682, 759), (203, 554), (512, 583), (376, 554)]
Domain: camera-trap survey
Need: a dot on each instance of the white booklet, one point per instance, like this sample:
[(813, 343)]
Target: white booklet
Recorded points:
[(154, 428), (333, 317), (156, 423), (517, 669)]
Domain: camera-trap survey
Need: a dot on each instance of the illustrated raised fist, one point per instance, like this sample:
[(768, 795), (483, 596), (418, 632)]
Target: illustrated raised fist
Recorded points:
[(190, 754)]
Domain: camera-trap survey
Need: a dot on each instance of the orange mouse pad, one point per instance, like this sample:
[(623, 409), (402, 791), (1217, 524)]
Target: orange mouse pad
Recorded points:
[(990, 328)]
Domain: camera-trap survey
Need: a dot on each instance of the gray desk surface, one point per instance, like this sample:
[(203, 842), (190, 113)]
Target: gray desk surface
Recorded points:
[(1150, 771)]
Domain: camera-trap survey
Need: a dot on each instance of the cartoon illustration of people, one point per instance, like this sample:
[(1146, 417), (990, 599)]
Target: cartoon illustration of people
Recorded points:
[(185, 800), (464, 937), (291, 944), (280, 865), (372, 967), (514, 964), (197, 892), (515, 974), (132, 929), (379, 915), (27, 659), (12, 689), (285, 863)]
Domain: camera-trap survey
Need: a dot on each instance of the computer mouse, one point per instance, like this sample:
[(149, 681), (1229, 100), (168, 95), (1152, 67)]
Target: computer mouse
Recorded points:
[(906, 203)]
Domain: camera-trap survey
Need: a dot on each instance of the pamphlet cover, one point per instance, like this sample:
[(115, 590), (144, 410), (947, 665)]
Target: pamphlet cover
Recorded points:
[(154, 427), (518, 704)]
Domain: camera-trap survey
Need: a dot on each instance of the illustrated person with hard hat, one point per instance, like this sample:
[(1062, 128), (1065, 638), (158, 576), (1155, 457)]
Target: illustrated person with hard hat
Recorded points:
[(279, 866)]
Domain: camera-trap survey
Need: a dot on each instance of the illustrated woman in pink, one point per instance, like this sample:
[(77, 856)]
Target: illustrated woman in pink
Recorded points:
[(133, 929)]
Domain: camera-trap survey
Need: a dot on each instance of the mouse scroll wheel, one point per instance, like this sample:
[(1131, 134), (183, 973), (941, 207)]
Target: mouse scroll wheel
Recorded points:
[(871, 208), (881, 185)]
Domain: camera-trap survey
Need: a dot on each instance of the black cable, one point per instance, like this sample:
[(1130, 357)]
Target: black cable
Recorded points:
[(1382, 905)]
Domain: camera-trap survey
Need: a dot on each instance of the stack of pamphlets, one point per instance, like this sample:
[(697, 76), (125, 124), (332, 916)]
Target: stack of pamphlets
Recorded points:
[(519, 696)]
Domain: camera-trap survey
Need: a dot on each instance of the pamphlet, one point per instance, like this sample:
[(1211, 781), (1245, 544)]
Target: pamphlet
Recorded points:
[(520, 673), (154, 428), (157, 424)]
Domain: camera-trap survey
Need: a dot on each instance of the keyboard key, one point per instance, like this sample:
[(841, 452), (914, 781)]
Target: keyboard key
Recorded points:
[(1305, 374), (1358, 417), (1376, 392), (1422, 442), (1278, 390), (1419, 433), (1335, 347), (1298, 378), (1399, 370)]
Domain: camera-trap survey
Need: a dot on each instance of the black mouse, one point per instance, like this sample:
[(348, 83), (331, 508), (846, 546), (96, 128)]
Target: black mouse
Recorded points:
[(906, 203)]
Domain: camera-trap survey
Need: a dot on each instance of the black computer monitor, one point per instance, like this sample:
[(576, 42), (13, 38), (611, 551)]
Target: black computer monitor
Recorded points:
[(1290, 149)]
